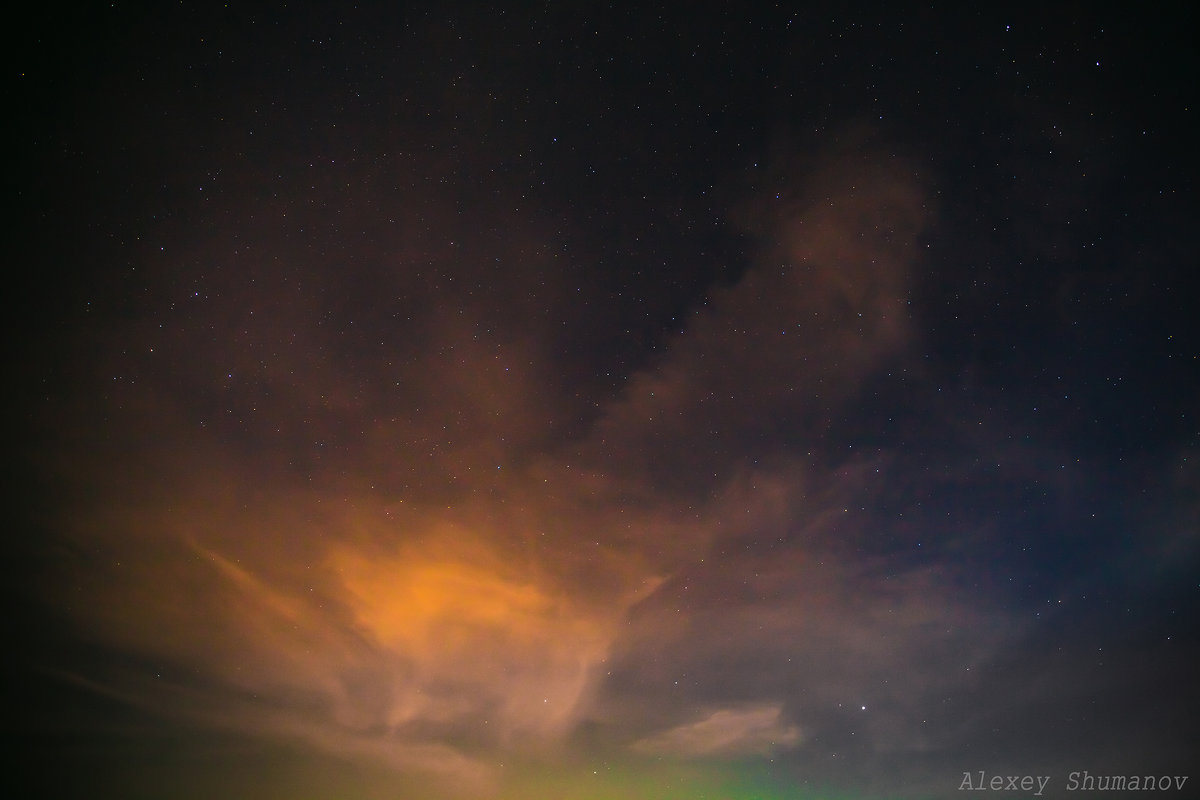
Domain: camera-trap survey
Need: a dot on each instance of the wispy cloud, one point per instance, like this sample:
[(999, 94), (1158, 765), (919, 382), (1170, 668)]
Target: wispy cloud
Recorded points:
[(726, 732), (391, 562)]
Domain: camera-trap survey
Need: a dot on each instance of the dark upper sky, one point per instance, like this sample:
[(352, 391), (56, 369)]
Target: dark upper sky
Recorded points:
[(571, 401)]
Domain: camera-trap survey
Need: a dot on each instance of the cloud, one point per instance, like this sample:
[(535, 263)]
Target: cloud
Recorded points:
[(420, 651), (725, 732), (482, 640), (763, 364), (394, 553)]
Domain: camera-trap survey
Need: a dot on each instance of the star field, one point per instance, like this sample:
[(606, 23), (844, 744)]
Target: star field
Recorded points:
[(589, 401)]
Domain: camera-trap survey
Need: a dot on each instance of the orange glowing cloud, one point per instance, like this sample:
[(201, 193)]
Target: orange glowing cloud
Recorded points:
[(483, 641), (403, 561)]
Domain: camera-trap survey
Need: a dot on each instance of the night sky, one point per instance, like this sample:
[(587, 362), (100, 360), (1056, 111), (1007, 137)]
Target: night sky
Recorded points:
[(580, 402)]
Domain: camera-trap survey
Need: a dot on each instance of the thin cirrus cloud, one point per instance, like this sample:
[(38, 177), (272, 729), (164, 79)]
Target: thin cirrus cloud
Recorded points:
[(359, 612), (725, 732)]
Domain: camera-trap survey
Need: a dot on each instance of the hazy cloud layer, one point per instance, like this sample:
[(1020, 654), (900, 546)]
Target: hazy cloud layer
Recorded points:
[(369, 540)]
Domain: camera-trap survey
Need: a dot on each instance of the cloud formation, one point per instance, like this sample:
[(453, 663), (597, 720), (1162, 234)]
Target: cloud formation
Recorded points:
[(725, 732), (378, 552)]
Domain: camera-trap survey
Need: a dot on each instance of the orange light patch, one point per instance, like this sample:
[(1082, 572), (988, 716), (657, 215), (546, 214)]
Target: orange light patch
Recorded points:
[(481, 638)]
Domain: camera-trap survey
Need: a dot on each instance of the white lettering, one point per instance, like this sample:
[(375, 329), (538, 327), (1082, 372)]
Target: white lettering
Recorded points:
[(1080, 780), (1086, 781), (980, 782)]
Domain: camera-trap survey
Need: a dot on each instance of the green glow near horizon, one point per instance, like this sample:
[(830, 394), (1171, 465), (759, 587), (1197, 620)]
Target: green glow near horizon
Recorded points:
[(653, 781)]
